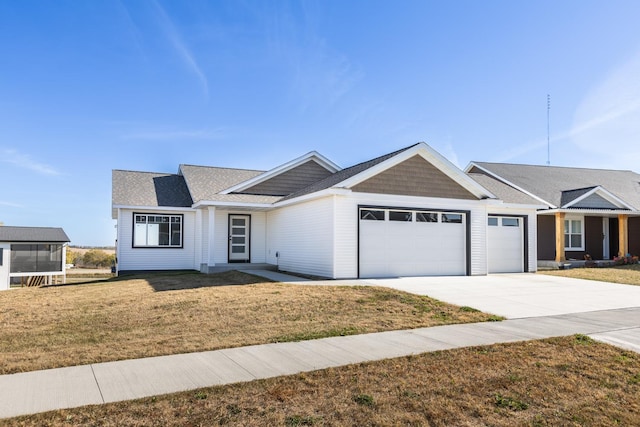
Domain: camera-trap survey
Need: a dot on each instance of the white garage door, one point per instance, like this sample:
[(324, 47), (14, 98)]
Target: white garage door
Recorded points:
[(412, 243), (505, 244)]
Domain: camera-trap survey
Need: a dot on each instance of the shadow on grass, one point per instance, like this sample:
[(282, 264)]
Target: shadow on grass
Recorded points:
[(177, 280)]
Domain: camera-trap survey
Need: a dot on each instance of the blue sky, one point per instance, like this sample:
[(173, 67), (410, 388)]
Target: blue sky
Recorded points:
[(91, 86)]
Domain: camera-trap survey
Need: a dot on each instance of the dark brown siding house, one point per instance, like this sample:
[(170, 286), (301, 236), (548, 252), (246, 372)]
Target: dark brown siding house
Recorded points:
[(588, 214)]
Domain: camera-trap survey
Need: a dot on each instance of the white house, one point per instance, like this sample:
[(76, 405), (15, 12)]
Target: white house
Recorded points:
[(31, 255), (410, 212)]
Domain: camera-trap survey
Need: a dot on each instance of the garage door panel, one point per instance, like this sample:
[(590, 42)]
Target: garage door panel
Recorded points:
[(410, 248), (505, 246)]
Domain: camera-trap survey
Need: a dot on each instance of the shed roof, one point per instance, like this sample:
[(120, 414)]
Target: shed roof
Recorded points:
[(33, 234)]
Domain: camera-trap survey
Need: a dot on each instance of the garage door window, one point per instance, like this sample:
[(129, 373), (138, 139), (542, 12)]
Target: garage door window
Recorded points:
[(452, 218), (426, 217), (400, 216), (492, 221), (372, 215), (510, 222)]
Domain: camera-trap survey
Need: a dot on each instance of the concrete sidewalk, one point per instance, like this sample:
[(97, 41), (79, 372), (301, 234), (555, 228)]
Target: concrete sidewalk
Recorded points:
[(39, 391)]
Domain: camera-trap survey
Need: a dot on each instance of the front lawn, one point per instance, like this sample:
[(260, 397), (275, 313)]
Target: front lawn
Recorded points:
[(571, 381), (168, 314), (625, 274)]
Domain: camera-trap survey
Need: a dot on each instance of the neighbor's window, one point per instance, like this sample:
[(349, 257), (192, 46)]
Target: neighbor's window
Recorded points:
[(452, 218), (36, 258), (372, 215), (153, 230), (1, 252), (426, 217), (400, 216), (573, 234)]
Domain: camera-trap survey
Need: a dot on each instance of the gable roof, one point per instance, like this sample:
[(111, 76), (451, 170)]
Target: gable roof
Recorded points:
[(558, 186), (313, 163), (343, 175), (33, 234)]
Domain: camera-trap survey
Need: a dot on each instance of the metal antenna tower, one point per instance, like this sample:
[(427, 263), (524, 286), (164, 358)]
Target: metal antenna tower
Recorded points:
[(548, 144)]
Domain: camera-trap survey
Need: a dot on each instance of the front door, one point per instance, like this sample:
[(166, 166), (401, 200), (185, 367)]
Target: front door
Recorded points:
[(239, 232)]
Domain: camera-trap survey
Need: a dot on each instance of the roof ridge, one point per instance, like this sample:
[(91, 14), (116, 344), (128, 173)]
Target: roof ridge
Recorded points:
[(222, 167), (150, 172), (552, 166)]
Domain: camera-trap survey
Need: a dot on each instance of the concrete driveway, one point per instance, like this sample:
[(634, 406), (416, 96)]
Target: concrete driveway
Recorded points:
[(519, 295)]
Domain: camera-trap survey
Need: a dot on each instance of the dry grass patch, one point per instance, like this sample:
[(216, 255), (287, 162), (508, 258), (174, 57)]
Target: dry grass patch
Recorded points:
[(625, 274), (167, 314), (553, 382)]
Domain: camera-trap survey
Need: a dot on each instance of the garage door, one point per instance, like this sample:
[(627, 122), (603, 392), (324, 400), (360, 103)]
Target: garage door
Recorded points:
[(407, 242), (505, 244)]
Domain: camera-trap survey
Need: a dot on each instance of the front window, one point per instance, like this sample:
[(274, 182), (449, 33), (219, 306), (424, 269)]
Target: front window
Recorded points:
[(154, 230), (36, 258), (573, 234)]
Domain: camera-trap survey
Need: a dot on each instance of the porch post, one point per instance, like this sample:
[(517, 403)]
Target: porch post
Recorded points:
[(560, 237), (623, 234), (211, 236)]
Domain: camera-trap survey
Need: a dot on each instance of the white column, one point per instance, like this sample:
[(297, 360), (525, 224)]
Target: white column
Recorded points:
[(211, 236)]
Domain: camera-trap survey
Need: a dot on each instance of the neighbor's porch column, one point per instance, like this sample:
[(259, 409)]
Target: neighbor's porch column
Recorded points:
[(623, 234), (560, 237)]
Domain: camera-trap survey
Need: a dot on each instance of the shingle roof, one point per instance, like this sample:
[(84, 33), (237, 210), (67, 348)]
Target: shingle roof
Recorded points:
[(344, 174), (502, 191), (549, 182), (33, 234), (130, 188), (206, 182)]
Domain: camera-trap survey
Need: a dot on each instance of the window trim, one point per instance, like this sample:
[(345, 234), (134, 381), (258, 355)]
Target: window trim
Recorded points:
[(582, 236), (148, 214)]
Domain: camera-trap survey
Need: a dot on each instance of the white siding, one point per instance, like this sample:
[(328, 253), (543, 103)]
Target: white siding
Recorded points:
[(345, 238), (130, 258), (257, 239), (4, 265), (302, 235)]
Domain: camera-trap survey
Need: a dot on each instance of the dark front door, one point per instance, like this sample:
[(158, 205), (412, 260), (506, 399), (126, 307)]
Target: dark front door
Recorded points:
[(614, 242)]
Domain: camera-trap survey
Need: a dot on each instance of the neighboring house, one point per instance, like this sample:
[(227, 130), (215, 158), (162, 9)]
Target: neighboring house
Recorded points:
[(410, 212), (31, 255), (590, 212)]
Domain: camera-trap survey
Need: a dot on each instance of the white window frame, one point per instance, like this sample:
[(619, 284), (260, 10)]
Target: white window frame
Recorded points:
[(155, 227), (570, 219)]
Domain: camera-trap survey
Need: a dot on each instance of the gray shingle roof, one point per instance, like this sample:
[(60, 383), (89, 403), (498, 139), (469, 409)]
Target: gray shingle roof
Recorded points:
[(33, 234), (130, 188), (344, 174), (549, 182), (502, 191), (206, 182)]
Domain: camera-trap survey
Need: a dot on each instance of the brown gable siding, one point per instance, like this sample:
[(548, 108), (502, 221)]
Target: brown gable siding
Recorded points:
[(290, 181), (414, 177)]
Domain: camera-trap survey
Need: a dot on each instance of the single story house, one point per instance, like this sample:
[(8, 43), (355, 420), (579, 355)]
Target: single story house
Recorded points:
[(31, 255), (587, 213), (409, 212)]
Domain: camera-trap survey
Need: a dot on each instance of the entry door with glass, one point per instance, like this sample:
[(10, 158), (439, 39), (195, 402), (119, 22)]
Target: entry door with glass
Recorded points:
[(239, 231)]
